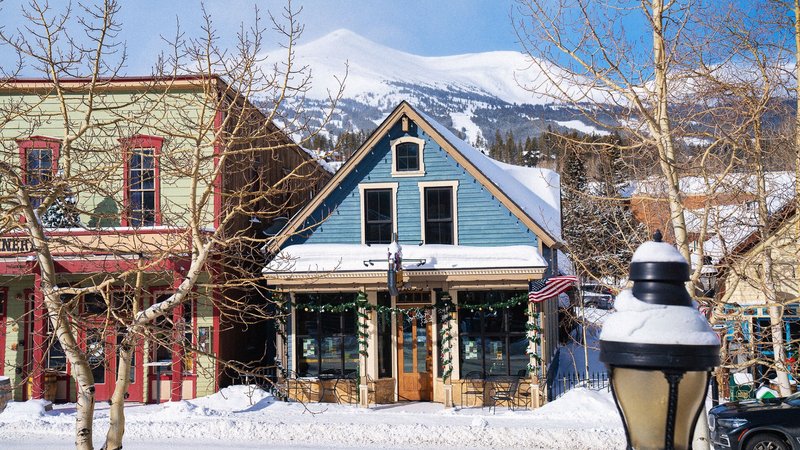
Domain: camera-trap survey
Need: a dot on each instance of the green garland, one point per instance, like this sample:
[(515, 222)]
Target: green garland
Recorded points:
[(362, 311), (356, 304), (446, 337), (283, 312), (533, 332)]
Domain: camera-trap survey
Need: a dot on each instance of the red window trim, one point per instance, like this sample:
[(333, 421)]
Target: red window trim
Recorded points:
[(141, 141), (34, 142), (3, 337)]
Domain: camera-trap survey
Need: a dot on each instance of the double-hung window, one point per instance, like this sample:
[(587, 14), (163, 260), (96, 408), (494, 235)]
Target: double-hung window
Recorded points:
[(492, 341), (142, 187), (439, 215), (378, 216), (39, 164), (142, 196), (326, 342)]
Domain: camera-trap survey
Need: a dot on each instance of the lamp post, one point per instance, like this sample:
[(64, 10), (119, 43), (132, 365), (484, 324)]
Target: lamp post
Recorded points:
[(659, 351)]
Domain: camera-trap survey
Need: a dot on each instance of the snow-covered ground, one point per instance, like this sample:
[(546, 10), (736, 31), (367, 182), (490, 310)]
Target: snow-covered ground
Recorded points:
[(241, 418)]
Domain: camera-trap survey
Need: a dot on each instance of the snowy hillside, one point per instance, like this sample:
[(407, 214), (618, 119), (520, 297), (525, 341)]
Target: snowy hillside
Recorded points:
[(474, 94)]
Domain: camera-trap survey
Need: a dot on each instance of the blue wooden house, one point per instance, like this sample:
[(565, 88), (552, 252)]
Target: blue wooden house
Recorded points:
[(440, 242)]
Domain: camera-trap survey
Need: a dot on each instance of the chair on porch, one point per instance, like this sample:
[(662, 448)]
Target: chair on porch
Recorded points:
[(505, 390), (473, 385), (348, 388), (524, 390), (299, 388)]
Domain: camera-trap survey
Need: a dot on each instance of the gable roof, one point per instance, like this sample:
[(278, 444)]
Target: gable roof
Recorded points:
[(531, 194), (751, 236)]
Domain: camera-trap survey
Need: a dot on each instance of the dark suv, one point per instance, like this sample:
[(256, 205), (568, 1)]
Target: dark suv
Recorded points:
[(768, 424)]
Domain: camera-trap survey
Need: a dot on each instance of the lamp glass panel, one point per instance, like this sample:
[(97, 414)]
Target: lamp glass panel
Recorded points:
[(643, 397)]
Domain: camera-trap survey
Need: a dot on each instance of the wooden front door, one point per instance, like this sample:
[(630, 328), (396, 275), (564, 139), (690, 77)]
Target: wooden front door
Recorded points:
[(414, 358)]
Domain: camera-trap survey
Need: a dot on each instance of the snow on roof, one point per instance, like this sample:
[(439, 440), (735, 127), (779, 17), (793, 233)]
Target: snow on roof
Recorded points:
[(645, 323), (303, 258), (322, 163), (738, 182), (733, 214), (729, 225), (535, 190)]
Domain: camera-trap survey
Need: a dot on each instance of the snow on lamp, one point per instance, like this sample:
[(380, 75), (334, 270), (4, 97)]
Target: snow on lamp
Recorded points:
[(659, 351)]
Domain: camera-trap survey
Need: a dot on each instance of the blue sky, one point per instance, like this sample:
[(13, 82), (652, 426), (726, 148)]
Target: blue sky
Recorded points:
[(425, 27)]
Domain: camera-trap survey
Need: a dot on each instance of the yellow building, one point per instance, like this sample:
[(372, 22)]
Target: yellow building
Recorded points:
[(747, 298)]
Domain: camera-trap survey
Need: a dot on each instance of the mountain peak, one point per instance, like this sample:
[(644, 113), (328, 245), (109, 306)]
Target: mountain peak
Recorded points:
[(344, 40), (342, 33)]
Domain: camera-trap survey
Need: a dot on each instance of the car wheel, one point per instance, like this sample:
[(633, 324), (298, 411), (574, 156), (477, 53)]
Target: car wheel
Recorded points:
[(766, 442)]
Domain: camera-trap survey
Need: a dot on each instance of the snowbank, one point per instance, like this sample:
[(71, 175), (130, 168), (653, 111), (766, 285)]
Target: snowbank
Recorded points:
[(583, 405), (25, 410), (246, 417)]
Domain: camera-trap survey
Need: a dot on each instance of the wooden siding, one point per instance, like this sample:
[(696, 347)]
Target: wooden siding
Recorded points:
[(482, 219), (743, 282), (100, 156)]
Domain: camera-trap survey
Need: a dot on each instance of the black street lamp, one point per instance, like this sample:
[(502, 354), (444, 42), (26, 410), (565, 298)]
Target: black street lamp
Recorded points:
[(659, 351)]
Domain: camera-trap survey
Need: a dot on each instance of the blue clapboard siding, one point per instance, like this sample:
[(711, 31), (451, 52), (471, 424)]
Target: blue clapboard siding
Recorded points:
[(482, 219)]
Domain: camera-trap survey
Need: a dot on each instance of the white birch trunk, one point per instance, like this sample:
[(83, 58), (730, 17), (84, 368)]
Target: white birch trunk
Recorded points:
[(60, 321)]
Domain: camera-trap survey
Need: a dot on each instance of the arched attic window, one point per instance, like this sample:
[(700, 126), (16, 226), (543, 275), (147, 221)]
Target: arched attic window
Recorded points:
[(408, 157)]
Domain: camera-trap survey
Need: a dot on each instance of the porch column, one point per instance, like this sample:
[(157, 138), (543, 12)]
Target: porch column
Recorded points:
[(447, 348), (39, 337), (176, 384), (369, 365)]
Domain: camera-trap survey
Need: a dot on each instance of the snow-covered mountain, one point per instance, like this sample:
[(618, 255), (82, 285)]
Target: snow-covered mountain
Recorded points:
[(474, 94)]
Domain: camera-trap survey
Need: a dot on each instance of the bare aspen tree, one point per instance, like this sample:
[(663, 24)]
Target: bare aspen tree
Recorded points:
[(581, 43), (229, 165)]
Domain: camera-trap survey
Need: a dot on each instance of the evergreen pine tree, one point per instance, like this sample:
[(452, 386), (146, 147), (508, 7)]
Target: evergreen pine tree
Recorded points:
[(62, 213), (531, 155), (599, 227), (509, 148), (496, 149)]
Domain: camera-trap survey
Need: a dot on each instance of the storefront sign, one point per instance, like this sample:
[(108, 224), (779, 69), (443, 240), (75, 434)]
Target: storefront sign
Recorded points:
[(15, 245)]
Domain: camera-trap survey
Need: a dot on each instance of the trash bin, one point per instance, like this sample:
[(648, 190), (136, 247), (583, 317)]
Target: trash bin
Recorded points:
[(5, 392), (50, 385)]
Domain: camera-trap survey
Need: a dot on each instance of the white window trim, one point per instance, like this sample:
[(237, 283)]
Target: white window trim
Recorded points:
[(426, 184), (408, 173), (362, 204)]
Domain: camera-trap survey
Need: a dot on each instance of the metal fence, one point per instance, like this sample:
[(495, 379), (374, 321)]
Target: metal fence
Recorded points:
[(558, 386)]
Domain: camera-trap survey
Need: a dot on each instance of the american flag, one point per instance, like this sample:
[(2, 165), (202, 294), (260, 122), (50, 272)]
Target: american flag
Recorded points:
[(545, 288)]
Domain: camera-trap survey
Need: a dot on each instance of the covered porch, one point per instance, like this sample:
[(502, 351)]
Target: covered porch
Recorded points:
[(459, 329)]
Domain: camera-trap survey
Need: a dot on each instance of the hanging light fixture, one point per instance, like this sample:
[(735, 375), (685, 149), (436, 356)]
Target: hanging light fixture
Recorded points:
[(659, 351)]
